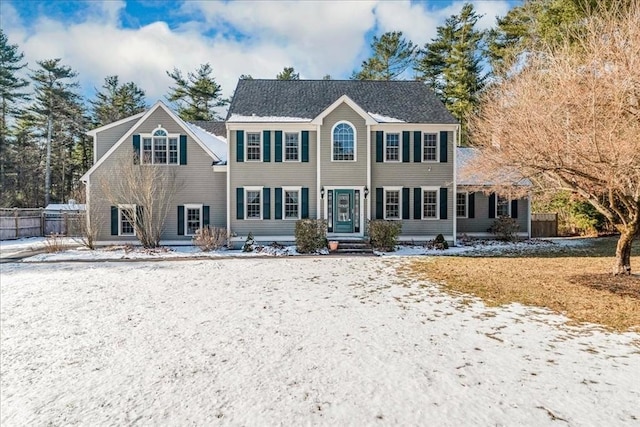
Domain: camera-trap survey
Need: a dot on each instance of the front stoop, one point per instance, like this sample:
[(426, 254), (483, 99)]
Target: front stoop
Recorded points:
[(353, 247)]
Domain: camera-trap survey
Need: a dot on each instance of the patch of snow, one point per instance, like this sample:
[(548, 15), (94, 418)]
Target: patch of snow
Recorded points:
[(384, 119), (264, 119), (65, 207), (312, 341), (8, 247), (216, 144)]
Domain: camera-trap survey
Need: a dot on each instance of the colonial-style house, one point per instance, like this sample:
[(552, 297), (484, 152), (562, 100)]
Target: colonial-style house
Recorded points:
[(344, 151)]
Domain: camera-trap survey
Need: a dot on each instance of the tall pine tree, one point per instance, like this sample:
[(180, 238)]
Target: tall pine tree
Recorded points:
[(12, 91), (196, 95), (392, 56), (451, 64), (57, 106), (117, 101)]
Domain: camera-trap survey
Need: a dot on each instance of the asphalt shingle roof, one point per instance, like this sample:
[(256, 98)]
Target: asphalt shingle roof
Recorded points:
[(409, 101), (215, 128)]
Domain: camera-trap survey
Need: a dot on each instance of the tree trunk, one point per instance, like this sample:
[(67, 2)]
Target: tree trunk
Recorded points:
[(47, 173), (623, 249)]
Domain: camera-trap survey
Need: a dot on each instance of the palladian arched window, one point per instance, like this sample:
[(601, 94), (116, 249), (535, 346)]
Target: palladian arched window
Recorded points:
[(160, 148), (343, 141)]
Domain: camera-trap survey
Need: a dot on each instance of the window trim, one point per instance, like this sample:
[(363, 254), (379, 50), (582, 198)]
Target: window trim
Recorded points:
[(399, 159), (355, 141), (424, 140), (186, 217), (384, 200), (246, 147), (151, 136), (246, 203), (466, 204), (284, 202), (437, 191), (133, 224), (508, 200), (284, 147)]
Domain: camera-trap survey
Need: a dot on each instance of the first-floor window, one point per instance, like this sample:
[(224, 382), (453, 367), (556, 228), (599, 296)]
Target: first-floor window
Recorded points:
[(253, 204), (429, 204), (291, 147), (193, 218), (430, 148), (253, 146), (391, 204), (393, 147), (126, 220), (291, 204), (502, 206), (461, 205)]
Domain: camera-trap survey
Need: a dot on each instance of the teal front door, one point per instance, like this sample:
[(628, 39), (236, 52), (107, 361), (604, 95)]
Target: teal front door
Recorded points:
[(343, 211)]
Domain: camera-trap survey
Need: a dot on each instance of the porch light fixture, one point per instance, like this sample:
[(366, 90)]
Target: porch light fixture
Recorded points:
[(366, 191), (322, 193)]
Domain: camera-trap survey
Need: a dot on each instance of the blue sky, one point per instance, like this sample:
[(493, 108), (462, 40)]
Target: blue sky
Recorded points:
[(140, 40)]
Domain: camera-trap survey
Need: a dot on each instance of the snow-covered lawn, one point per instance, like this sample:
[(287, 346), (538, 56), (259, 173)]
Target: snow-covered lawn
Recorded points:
[(294, 341)]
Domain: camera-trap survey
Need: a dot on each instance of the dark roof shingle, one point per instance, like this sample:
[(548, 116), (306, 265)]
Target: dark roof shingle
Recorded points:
[(215, 128), (409, 101)]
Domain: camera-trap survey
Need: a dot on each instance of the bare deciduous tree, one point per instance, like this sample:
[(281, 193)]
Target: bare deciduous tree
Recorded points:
[(570, 120), (151, 188)]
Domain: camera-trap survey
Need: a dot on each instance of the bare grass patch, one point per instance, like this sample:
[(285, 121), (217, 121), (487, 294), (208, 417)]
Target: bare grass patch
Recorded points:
[(576, 287)]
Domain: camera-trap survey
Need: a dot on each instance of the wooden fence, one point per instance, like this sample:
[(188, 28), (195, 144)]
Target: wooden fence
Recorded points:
[(544, 225), (17, 223)]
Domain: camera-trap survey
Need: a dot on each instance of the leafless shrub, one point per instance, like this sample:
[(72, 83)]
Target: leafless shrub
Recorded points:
[(54, 243), (210, 238)]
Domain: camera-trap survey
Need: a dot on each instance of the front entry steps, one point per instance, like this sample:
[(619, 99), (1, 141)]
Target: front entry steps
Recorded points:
[(352, 247)]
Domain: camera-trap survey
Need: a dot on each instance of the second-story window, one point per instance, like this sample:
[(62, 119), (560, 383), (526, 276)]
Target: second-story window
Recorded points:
[(430, 148), (253, 147), (343, 139), (291, 147), (160, 148), (392, 149)]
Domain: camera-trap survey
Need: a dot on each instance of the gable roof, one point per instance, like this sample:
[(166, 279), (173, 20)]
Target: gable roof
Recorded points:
[(218, 129), (94, 132), (397, 100), (216, 149)]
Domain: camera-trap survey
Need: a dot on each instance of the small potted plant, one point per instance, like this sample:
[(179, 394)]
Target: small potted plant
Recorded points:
[(333, 245)]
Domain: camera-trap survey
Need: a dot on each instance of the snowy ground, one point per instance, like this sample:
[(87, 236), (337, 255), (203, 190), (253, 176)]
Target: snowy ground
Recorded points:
[(294, 341)]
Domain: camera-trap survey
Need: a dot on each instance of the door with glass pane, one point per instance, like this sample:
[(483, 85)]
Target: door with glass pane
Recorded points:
[(343, 211)]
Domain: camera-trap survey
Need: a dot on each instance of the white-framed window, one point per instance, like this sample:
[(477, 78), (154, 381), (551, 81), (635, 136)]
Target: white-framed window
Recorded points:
[(343, 142), (392, 203), (291, 203), (503, 206), (192, 219), (462, 204), (160, 148), (126, 220), (392, 147), (253, 203), (291, 147), (430, 147), (430, 203), (254, 147)]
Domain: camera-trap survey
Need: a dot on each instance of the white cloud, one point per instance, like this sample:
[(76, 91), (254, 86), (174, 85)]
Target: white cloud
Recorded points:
[(257, 38)]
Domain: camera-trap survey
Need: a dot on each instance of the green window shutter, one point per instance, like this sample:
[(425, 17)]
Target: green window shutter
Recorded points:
[(136, 150), (417, 147), (266, 146), (278, 144), (240, 147), (379, 146), (239, 203), (305, 146), (205, 216), (305, 203), (278, 203), (114, 220), (492, 205), (443, 146), (406, 210), (180, 220), (417, 203), (514, 209), (471, 209), (443, 203), (266, 203), (139, 216), (379, 203), (183, 149), (406, 147)]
